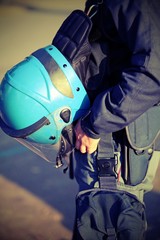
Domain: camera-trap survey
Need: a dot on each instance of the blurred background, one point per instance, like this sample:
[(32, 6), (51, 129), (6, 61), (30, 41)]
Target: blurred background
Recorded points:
[(37, 201)]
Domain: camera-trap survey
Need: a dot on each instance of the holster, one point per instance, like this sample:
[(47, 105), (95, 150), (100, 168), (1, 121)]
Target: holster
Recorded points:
[(142, 138)]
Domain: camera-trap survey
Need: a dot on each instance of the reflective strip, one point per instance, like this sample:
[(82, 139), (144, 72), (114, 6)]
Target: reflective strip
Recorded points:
[(57, 76)]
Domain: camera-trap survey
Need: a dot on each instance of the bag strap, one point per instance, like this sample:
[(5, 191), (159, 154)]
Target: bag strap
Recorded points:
[(106, 163)]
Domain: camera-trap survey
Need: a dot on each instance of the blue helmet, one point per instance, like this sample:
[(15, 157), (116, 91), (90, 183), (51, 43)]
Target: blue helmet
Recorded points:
[(40, 97)]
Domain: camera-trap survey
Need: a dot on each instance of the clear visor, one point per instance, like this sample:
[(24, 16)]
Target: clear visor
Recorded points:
[(51, 152)]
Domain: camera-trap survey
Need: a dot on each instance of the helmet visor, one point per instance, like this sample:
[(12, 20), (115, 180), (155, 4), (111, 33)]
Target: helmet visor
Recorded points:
[(49, 152)]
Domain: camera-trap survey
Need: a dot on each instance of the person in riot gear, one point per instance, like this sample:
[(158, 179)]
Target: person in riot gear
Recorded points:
[(96, 94), (118, 140)]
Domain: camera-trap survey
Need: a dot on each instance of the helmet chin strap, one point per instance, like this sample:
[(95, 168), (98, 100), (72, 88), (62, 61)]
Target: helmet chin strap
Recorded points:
[(66, 149), (59, 162)]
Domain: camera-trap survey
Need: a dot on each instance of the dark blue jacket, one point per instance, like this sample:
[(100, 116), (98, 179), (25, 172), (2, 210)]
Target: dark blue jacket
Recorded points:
[(131, 30)]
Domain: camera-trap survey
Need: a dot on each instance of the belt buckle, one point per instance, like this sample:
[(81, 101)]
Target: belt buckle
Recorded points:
[(107, 166)]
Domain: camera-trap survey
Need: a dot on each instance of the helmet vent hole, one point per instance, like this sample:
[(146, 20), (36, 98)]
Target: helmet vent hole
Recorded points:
[(77, 89), (64, 65), (50, 48), (52, 138)]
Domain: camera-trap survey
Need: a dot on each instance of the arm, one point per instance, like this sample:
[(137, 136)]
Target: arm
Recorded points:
[(139, 84)]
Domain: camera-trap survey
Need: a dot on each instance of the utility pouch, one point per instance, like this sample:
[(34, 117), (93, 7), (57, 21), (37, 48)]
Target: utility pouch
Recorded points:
[(142, 139), (111, 215)]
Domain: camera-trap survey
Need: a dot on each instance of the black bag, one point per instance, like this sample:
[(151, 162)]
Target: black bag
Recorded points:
[(102, 214)]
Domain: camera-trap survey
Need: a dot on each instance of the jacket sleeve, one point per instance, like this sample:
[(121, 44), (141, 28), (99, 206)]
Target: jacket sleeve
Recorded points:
[(137, 23)]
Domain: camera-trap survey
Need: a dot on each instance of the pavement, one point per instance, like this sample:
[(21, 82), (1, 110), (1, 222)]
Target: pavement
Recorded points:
[(37, 201)]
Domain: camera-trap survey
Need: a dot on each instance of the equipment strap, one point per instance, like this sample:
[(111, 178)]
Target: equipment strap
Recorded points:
[(106, 162), (106, 142)]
